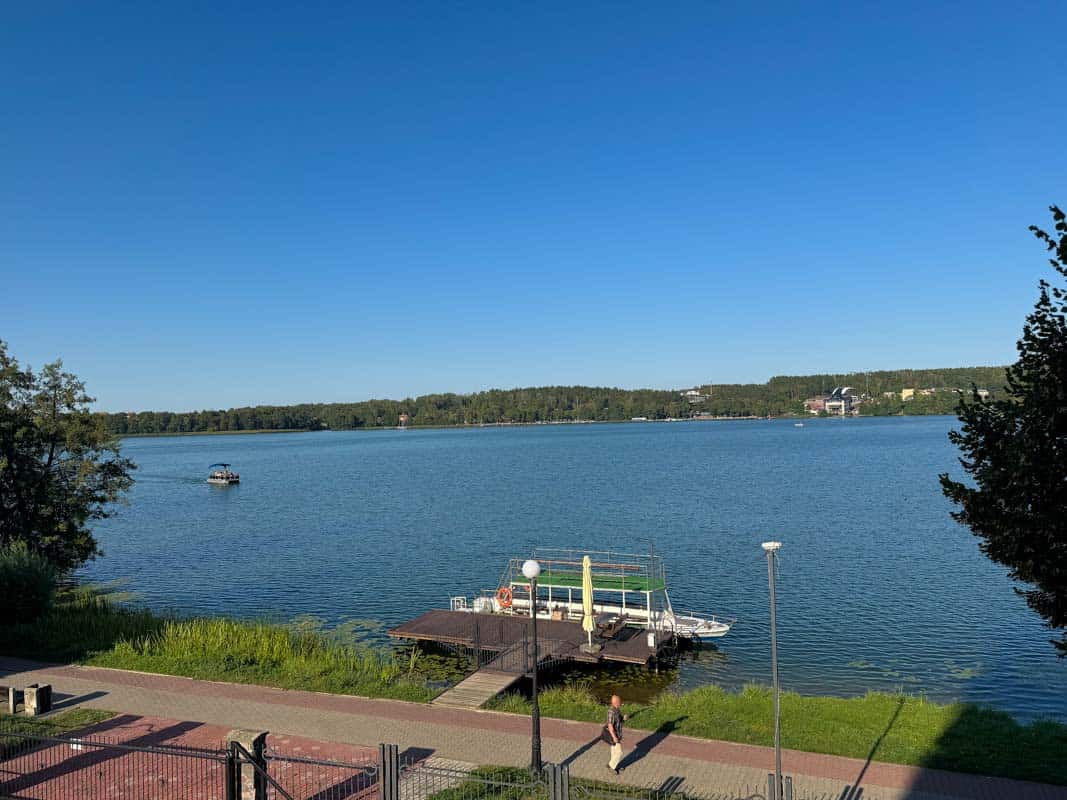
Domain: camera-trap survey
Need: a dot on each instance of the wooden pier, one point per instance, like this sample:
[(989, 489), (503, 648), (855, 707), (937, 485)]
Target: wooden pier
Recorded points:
[(557, 639), (477, 689)]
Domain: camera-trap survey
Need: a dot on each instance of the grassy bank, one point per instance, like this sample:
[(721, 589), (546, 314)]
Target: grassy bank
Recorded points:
[(883, 727), (91, 630)]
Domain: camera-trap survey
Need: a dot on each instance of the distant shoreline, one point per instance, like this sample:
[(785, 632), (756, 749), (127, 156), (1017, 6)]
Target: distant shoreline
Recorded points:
[(211, 433), (551, 423)]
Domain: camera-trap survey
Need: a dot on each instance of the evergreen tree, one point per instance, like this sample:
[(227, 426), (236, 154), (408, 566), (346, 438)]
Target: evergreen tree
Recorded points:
[(1015, 450)]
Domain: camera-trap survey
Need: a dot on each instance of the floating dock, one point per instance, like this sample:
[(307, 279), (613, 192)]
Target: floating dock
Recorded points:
[(557, 640)]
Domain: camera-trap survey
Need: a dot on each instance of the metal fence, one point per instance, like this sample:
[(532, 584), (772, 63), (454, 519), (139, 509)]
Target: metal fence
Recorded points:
[(37, 767), (34, 766), (323, 779)]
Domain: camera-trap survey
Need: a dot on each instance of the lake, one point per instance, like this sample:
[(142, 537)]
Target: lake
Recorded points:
[(878, 587)]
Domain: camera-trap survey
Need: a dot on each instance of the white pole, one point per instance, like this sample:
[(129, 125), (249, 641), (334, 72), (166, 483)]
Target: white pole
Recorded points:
[(771, 548)]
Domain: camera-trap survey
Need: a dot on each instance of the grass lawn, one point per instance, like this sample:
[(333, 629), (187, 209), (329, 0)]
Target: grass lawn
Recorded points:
[(493, 782), (53, 725), (899, 729)]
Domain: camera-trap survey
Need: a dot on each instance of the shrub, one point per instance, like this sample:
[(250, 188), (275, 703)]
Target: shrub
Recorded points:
[(27, 584)]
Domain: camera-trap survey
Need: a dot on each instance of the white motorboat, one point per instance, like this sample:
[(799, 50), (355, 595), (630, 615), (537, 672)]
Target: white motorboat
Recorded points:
[(701, 628)]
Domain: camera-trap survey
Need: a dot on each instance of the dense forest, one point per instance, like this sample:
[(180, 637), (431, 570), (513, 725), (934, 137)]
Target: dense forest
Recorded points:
[(779, 396)]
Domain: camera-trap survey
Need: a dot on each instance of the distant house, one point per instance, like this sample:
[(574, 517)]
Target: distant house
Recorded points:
[(843, 401), (815, 404), (890, 395), (694, 396), (907, 394), (983, 393)]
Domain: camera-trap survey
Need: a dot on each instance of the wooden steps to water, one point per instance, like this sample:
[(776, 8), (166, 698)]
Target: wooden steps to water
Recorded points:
[(477, 689)]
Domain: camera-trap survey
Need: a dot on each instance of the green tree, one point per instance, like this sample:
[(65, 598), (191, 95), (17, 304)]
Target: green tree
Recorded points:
[(60, 466), (1015, 450)]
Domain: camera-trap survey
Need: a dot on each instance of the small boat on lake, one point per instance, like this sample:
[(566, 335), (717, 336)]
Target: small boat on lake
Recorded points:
[(628, 591), (222, 476)]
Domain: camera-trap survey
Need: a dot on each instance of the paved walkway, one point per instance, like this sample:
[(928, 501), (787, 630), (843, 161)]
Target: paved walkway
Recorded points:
[(708, 768)]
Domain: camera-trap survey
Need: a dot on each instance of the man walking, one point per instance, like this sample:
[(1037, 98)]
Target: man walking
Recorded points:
[(614, 732)]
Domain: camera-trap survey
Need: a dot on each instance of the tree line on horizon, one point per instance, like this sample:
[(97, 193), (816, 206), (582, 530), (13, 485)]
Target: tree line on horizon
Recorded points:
[(781, 395)]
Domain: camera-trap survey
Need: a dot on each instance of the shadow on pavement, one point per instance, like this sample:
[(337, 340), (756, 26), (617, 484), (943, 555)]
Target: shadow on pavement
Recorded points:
[(644, 746), (581, 751), (68, 700), (415, 755)]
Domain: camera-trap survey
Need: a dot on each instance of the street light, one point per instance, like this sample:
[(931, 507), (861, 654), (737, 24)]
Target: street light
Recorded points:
[(531, 569), (771, 548)]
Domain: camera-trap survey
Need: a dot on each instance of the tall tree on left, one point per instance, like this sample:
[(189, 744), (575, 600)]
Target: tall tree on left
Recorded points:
[(60, 467)]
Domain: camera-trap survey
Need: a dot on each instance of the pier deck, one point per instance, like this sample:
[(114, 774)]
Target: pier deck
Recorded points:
[(477, 689), (498, 632)]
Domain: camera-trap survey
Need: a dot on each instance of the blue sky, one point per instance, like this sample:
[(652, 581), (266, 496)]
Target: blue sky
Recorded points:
[(218, 205)]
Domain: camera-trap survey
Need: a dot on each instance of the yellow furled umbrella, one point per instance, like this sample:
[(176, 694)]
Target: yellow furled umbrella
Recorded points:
[(588, 624)]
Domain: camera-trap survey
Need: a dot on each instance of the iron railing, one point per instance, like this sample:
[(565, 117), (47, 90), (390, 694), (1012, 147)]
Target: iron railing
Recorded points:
[(41, 767), (35, 766)]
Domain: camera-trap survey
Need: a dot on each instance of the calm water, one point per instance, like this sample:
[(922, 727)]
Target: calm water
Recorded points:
[(879, 589)]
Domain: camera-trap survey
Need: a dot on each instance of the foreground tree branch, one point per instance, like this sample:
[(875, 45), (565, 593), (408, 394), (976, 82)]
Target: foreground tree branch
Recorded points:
[(1015, 451), (60, 467)]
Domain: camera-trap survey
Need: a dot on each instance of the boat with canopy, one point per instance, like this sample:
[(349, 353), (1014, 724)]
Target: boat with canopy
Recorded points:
[(221, 475), (604, 591)]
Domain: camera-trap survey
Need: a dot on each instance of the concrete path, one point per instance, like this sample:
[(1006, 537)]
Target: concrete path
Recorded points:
[(700, 767)]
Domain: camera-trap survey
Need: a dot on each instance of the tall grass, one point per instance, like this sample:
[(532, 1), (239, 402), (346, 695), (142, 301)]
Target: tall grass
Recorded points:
[(27, 584), (89, 628)]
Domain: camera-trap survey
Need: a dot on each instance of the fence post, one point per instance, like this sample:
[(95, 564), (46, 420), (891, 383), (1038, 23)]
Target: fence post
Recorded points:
[(559, 781), (231, 773), (784, 792), (250, 782), (477, 642), (388, 772)]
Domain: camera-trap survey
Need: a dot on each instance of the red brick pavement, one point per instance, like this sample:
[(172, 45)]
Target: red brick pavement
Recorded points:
[(187, 762)]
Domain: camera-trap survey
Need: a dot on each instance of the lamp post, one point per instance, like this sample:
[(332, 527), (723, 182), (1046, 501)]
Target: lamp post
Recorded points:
[(771, 548), (531, 569)]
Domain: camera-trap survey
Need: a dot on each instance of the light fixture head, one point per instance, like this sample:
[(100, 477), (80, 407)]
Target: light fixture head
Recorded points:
[(770, 547), (531, 569)]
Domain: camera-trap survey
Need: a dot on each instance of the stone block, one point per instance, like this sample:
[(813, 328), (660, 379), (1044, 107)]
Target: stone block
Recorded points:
[(38, 699)]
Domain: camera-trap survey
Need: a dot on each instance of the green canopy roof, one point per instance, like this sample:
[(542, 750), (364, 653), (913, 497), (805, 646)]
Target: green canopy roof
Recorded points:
[(612, 583)]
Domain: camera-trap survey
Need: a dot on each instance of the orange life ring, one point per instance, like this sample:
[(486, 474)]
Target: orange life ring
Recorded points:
[(503, 596)]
